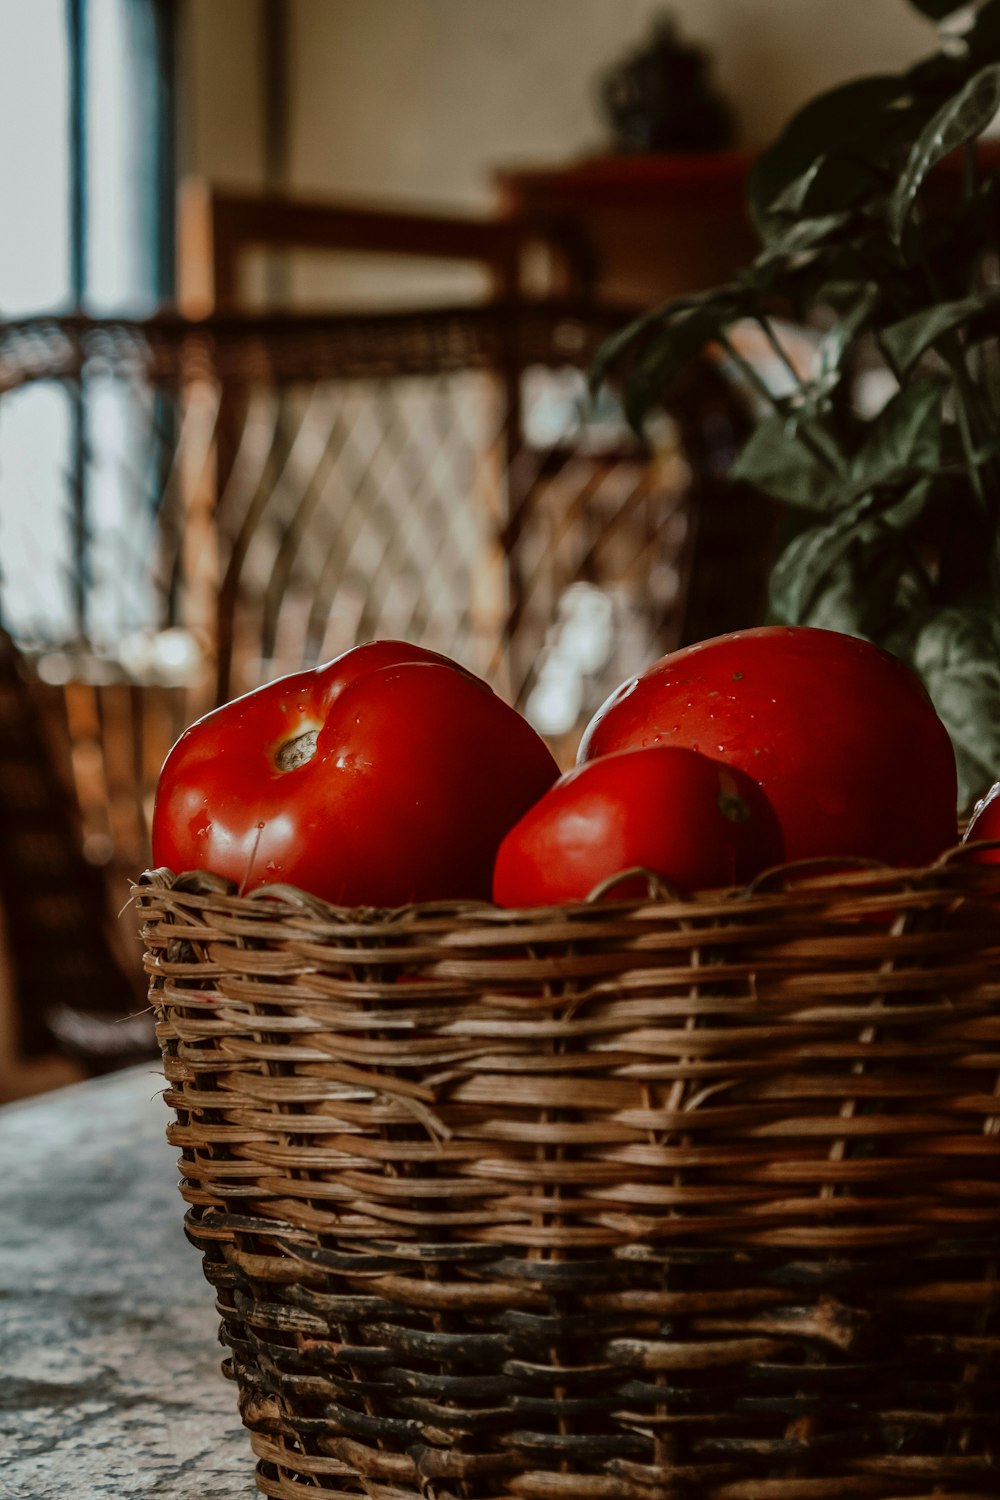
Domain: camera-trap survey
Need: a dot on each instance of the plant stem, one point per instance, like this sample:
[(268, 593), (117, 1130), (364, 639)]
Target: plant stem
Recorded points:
[(765, 324), (891, 364), (811, 440), (971, 181), (806, 438), (966, 403)]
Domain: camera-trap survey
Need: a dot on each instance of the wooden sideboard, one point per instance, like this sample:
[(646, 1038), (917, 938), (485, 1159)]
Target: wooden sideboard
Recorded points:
[(645, 227), (637, 229)]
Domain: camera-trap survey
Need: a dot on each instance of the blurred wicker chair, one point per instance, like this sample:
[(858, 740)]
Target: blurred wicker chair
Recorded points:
[(225, 501), (63, 975)]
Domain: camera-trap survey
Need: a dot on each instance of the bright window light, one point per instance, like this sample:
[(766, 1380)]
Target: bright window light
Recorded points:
[(64, 575), (34, 162)]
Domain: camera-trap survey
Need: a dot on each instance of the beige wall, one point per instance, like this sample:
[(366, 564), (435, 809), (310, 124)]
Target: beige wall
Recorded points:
[(421, 100), (221, 125)]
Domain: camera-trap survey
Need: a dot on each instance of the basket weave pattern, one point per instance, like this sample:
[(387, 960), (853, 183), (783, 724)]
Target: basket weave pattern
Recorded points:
[(670, 1199)]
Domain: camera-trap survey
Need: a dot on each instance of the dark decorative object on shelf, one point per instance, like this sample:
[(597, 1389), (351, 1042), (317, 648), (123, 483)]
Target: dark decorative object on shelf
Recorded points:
[(658, 98)]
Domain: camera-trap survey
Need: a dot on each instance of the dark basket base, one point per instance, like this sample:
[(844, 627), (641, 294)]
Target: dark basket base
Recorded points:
[(473, 1371)]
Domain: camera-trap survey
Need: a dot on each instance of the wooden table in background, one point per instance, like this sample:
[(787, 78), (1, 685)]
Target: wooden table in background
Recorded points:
[(110, 1384), (651, 227)]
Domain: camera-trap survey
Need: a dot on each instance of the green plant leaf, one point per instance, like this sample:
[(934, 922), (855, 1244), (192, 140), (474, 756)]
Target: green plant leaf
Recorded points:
[(826, 282), (614, 348), (905, 342), (937, 10), (791, 200), (961, 119), (776, 461), (835, 344), (802, 236), (902, 446), (869, 593), (856, 565), (625, 341), (854, 158), (669, 351), (906, 435), (902, 450), (799, 572), (957, 653), (934, 78), (808, 136), (983, 37)]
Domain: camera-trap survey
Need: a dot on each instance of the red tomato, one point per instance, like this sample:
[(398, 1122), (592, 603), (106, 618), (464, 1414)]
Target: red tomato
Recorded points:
[(389, 775), (985, 824), (697, 824), (842, 737)]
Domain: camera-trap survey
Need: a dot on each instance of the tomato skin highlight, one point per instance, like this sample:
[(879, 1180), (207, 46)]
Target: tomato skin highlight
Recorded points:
[(842, 737), (404, 773), (696, 824)]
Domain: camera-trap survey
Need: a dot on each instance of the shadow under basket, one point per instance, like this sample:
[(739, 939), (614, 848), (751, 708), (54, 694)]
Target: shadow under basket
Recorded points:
[(682, 1198)]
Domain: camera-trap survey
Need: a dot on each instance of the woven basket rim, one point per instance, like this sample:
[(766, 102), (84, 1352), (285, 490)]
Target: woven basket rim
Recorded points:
[(800, 883)]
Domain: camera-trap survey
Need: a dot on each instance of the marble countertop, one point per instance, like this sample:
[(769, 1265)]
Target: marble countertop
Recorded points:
[(110, 1382)]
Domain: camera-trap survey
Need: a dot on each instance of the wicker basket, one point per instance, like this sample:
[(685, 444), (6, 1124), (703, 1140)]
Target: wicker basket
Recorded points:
[(608, 1202)]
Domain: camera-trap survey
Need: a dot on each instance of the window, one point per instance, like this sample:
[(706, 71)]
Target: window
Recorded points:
[(86, 179), (35, 163)]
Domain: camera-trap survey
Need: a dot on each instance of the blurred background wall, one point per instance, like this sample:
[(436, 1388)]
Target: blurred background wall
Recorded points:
[(423, 99)]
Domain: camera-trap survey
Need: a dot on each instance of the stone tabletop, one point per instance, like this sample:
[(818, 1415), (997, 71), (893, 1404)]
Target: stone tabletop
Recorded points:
[(110, 1383)]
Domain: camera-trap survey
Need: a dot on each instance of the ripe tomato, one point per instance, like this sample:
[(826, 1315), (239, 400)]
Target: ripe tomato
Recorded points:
[(389, 775), (841, 735), (985, 824), (696, 823)]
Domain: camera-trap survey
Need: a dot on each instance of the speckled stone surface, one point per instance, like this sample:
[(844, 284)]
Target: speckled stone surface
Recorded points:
[(110, 1383)]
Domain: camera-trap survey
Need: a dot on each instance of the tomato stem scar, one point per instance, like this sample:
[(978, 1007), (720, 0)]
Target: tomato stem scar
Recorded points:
[(296, 752), (732, 806)]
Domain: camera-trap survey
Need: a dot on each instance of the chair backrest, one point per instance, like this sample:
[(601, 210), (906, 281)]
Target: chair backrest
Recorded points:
[(219, 229)]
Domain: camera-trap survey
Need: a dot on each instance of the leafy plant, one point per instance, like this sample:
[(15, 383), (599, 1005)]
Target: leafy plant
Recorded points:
[(880, 226)]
